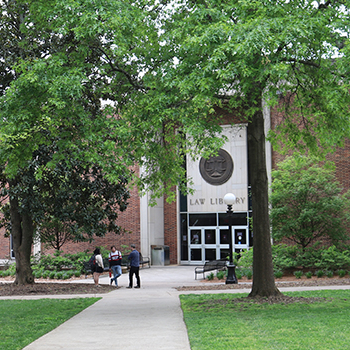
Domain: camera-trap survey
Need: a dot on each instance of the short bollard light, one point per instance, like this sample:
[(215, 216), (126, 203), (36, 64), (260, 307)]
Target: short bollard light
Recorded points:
[(230, 200)]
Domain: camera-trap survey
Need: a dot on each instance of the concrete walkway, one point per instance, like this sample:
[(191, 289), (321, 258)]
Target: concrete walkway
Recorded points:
[(149, 318)]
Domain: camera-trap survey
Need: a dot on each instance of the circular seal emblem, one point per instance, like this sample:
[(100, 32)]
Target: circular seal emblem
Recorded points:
[(217, 170)]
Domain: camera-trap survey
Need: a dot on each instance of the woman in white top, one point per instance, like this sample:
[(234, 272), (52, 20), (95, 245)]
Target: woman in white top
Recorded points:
[(99, 266)]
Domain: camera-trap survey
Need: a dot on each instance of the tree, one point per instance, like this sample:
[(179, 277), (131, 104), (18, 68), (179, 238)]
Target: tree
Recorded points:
[(75, 73), (307, 203), (52, 83), (71, 201), (245, 54)]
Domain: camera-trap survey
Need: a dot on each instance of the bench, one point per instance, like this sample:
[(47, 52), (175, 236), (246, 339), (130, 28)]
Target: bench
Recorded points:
[(210, 266), (144, 261)]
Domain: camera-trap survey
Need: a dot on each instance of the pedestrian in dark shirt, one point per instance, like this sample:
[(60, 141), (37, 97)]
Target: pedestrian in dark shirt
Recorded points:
[(134, 258)]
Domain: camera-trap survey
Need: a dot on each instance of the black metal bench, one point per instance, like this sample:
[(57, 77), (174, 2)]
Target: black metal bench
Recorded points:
[(210, 266)]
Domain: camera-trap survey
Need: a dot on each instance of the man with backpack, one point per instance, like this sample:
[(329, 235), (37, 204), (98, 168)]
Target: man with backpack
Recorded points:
[(115, 264)]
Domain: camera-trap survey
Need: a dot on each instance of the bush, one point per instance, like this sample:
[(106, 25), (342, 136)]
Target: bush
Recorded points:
[(238, 274), (319, 273), (59, 275), (220, 275), (284, 257), (46, 274), (341, 273), (37, 274), (4, 273), (210, 277), (248, 273), (246, 259), (278, 274), (329, 273), (332, 259), (298, 274), (291, 257), (308, 274), (52, 275), (66, 275)]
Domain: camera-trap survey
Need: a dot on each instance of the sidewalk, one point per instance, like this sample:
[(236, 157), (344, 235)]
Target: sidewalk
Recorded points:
[(149, 318)]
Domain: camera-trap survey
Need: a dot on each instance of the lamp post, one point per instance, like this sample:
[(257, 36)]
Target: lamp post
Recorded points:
[(229, 200)]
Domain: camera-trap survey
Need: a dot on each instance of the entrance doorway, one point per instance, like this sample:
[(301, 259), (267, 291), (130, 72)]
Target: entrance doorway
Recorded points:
[(212, 243)]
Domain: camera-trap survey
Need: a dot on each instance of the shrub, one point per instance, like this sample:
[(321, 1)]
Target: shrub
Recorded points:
[(308, 274), (284, 257), (238, 274), (59, 275), (38, 274), (77, 273), (248, 274), (329, 273), (246, 259), (341, 273), (319, 273), (46, 274), (298, 274), (220, 275), (52, 274), (278, 274), (210, 277), (332, 259), (66, 275)]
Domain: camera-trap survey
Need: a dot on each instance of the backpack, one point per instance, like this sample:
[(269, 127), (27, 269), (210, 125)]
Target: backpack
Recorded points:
[(92, 263)]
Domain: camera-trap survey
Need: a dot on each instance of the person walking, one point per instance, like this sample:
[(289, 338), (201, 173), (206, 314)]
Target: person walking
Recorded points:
[(134, 258), (115, 264), (99, 266)]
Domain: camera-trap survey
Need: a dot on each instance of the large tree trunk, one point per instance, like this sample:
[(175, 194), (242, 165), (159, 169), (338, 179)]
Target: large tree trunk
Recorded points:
[(263, 276), (22, 234)]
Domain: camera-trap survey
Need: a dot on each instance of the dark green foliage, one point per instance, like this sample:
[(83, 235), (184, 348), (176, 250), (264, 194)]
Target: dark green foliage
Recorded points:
[(278, 274), (287, 258), (329, 273), (341, 273), (307, 204), (211, 276), (298, 274), (308, 274), (221, 275), (71, 201), (319, 273)]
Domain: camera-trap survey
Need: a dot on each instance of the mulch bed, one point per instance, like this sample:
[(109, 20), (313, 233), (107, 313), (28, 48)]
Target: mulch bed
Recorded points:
[(280, 299), (10, 289), (288, 282), (62, 288)]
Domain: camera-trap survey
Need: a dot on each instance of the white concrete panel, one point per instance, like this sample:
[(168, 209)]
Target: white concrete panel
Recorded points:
[(209, 198)]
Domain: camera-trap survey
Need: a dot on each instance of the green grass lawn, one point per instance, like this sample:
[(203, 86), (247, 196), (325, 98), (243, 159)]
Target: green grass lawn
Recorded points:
[(23, 321), (215, 322)]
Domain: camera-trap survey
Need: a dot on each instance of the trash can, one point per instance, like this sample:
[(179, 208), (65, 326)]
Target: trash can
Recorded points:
[(160, 255)]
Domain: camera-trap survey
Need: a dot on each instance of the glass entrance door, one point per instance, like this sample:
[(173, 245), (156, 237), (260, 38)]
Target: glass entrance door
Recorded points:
[(213, 243)]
